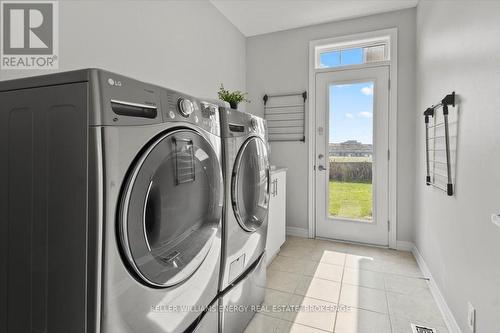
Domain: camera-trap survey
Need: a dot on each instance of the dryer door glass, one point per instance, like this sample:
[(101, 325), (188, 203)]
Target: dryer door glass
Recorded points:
[(171, 208), (250, 184)]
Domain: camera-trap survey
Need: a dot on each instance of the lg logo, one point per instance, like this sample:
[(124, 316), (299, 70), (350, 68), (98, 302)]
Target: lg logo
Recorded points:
[(29, 34), (115, 83)]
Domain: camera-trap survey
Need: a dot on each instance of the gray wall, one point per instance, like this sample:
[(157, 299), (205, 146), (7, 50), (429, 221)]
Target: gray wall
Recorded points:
[(459, 49), (185, 45), (278, 62)]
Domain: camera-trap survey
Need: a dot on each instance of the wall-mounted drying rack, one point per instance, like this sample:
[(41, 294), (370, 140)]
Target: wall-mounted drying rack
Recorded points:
[(440, 151), (285, 116)]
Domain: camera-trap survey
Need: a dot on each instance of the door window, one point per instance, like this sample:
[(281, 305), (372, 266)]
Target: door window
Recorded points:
[(350, 150)]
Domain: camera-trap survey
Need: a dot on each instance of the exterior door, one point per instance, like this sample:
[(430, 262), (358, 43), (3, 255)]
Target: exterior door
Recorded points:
[(171, 208), (351, 187)]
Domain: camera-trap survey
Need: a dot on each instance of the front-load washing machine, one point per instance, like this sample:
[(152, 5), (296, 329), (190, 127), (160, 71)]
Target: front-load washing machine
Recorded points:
[(111, 204), (246, 176)]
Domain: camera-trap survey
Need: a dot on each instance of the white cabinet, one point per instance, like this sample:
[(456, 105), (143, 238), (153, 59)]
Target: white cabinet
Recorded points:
[(277, 214)]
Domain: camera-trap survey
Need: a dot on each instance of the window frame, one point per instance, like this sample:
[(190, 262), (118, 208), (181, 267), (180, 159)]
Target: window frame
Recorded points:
[(352, 44)]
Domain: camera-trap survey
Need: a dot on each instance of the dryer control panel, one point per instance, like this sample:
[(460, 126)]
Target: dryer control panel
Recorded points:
[(128, 102), (185, 108), (236, 123), (124, 101)]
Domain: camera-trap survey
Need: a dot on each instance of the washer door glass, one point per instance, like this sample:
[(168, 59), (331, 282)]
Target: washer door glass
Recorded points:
[(250, 184), (172, 207)]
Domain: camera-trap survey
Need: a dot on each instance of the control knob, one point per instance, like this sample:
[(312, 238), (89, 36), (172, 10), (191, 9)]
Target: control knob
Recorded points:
[(254, 124), (186, 107)]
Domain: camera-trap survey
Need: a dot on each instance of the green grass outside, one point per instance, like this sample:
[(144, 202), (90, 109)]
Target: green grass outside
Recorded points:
[(350, 200), (350, 159)]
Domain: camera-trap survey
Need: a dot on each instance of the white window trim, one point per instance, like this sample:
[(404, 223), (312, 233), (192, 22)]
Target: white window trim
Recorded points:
[(392, 33)]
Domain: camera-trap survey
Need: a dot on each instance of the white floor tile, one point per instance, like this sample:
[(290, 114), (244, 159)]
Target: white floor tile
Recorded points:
[(300, 251), (362, 321), (421, 307), (275, 303), (382, 288), (323, 270), (403, 284), (288, 327), (312, 312), (288, 264), (364, 278), (282, 281), (319, 288), (329, 256), (364, 262), (262, 324), (332, 246), (364, 298)]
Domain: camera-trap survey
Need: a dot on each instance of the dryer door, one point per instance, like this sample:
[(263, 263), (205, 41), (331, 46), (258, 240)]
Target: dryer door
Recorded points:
[(250, 184), (171, 208)]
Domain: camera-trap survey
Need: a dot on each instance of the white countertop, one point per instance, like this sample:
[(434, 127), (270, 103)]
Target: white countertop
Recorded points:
[(276, 169)]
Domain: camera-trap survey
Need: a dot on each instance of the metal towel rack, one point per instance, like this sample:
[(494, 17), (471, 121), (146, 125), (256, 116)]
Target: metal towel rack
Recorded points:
[(439, 155), (286, 121)]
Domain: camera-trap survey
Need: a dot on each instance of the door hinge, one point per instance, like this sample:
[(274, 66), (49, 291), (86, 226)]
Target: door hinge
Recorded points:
[(389, 84), (388, 154), (388, 225)]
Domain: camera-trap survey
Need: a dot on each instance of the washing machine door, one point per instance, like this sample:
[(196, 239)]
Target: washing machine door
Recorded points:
[(250, 184), (171, 208)]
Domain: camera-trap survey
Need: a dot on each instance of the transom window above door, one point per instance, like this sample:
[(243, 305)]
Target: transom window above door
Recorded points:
[(352, 53)]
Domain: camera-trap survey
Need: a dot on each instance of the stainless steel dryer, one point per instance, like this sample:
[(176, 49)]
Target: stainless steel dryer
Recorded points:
[(246, 175), (111, 203)]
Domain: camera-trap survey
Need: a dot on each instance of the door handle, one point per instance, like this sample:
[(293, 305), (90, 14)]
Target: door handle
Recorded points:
[(321, 168)]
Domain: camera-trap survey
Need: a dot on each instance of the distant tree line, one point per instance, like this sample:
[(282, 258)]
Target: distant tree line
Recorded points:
[(356, 172)]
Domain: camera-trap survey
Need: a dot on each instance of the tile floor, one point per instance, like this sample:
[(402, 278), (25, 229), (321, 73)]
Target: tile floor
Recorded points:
[(316, 286)]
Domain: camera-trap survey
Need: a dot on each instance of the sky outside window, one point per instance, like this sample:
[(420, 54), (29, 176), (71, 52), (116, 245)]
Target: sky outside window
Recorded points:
[(341, 58), (351, 112)]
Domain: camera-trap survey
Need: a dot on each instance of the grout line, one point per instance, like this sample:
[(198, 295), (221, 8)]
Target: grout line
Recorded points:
[(340, 293), (384, 275), (292, 322), (360, 286), (367, 310), (387, 302)]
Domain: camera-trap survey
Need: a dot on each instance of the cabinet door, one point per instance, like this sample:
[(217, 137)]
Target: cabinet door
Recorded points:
[(276, 217), (272, 246), (280, 207)]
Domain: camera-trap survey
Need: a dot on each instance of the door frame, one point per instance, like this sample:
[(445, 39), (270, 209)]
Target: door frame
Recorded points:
[(393, 122)]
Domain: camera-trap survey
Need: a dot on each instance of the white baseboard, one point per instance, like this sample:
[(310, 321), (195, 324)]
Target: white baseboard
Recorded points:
[(298, 232), (405, 246), (448, 317)]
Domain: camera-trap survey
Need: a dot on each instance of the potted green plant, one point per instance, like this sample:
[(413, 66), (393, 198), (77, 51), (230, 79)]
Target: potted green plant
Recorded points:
[(232, 97)]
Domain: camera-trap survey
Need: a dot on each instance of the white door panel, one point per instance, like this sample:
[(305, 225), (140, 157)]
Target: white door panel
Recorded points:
[(351, 200)]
